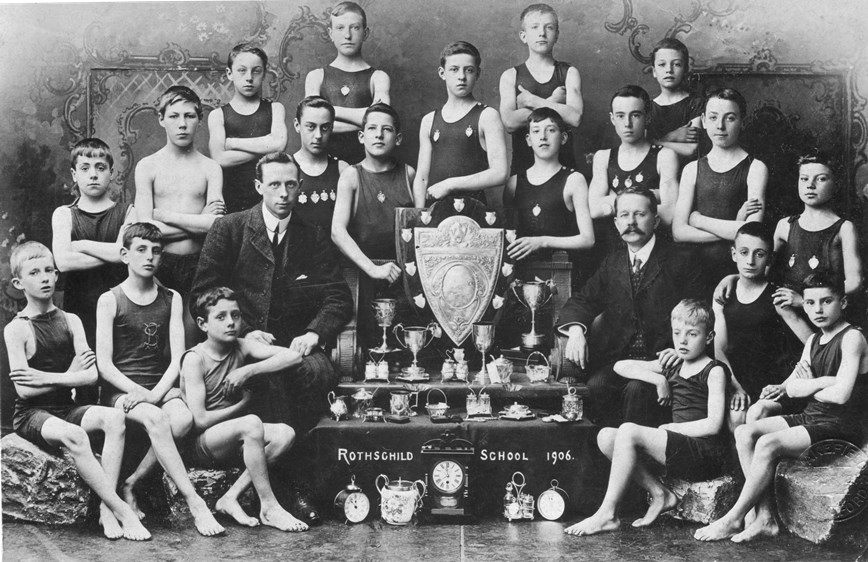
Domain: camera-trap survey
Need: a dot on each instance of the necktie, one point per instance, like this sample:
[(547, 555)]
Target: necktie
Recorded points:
[(275, 240), (636, 349)]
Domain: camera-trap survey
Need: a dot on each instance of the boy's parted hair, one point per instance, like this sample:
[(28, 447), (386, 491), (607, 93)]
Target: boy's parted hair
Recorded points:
[(246, 48), (537, 8), (349, 7), (729, 94), (383, 108), (143, 230), (817, 156), (275, 158), (210, 297), (460, 48), (26, 251), (633, 91), (646, 193), (824, 279), (543, 113), (91, 148), (758, 230), (695, 312), (673, 44), (314, 102), (177, 93)]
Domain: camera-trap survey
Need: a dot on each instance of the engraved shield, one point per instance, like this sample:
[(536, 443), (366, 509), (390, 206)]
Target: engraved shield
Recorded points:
[(458, 264)]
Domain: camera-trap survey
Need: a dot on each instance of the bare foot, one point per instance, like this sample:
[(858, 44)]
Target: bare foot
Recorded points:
[(204, 519), (659, 504), (761, 527), (110, 526), (133, 528), (593, 525), (717, 531), (279, 518), (232, 508), (129, 497), (749, 518)]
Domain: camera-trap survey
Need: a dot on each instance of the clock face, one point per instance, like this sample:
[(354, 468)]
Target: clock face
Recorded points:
[(447, 476), (551, 505), (356, 507)]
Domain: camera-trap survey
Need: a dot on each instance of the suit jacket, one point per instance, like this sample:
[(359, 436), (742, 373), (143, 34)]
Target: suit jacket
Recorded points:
[(668, 277), (237, 254)]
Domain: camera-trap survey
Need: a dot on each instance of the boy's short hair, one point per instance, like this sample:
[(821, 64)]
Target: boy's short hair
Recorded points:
[(537, 8), (383, 108), (673, 44), (823, 279), (314, 102), (646, 193), (246, 48), (91, 148), (817, 156), (177, 93), (206, 301), (349, 7), (729, 94), (758, 230), (695, 312), (633, 91), (543, 113), (460, 48), (275, 158), (143, 230), (26, 251)]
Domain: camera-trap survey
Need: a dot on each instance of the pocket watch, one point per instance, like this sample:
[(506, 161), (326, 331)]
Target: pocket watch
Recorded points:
[(552, 503), (352, 503)]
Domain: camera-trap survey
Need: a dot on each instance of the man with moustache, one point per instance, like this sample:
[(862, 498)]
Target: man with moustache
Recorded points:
[(634, 289)]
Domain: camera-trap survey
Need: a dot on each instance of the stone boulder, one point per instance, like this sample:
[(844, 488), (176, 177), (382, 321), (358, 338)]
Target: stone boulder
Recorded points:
[(211, 484), (704, 501), (39, 486)]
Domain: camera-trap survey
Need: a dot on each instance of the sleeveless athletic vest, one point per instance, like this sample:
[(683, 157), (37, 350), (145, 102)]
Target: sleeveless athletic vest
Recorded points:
[(690, 396), (825, 361), (807, 251), (643, 176), (347, 89), (540, 209), (316, 200), (54, 352), (141, 336), (373, 223), (456, 150), (522, 154), (239, 193), (666, 118), (215, 373)]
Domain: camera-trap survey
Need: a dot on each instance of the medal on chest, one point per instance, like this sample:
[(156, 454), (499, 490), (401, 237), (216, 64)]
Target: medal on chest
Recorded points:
[(436, 135), (324, 196), (792, 261), (333, 195), (615, 182), (381, 197), (536, 210), (302, 198), (345, 90), (639, 177), (628, 183), (468, 131), (813, 262), (314, 197)]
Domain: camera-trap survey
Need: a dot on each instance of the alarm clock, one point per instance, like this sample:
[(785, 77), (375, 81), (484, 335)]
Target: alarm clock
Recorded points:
[(352, 504), (552, 503), (447, 461)]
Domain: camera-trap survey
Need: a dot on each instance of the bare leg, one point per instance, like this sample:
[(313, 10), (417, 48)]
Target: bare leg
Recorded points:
[(58, 432), (629, 439), (156, 423), (760, 410), (789, 441)]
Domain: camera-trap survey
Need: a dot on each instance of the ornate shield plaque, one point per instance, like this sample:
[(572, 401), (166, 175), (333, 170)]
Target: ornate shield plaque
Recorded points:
[(458, 264)]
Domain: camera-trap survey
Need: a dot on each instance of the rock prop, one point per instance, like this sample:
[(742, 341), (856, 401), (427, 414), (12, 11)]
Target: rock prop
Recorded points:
[(704, 501), (39, 486), (211, 485)]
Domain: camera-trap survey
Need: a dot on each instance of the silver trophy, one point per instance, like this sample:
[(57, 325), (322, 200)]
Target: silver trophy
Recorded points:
[(483, 337), (384, 313), (415, 339), (534, 294)]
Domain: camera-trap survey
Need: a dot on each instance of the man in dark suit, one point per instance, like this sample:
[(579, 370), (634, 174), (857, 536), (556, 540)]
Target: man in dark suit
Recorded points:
[(635, 289), (289, 288)]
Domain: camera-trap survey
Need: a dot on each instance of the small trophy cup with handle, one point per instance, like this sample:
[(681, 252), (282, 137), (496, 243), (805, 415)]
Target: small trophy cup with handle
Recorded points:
[(415, 339), (534, 294)]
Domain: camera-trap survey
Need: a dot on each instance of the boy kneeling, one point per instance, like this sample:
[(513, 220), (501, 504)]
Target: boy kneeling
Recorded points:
[(690, 447), (212, 377)]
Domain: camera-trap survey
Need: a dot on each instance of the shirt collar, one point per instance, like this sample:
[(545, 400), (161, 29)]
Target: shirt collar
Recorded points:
[(645, 252), (272, 222)]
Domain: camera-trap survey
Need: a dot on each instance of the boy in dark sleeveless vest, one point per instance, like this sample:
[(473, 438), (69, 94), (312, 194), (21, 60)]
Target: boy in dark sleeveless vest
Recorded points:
[(245, 128), (349, 83), (832, 375), (634, 164), (139, 343), (48, 356), (364, 223), (462, 149), (318, 170), (691, 447), (539, 82), (720, 191), (86, 237)]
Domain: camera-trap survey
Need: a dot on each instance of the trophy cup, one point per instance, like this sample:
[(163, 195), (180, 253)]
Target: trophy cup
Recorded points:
[(483, 337), (384, 313), (533, 296), (415, 339)]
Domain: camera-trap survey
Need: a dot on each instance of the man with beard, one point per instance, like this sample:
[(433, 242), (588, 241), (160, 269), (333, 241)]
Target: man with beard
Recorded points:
[(634, 289)]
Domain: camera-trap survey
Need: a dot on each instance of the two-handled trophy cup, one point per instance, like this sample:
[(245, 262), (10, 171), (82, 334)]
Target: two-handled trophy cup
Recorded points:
[(415, 339), (384, 313), (534, 294)]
